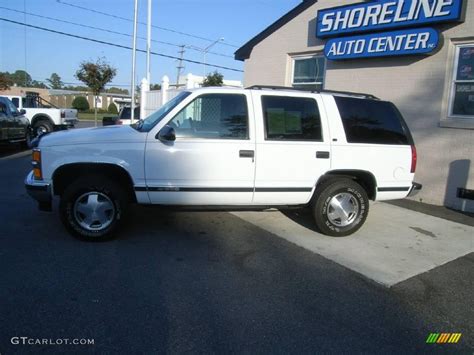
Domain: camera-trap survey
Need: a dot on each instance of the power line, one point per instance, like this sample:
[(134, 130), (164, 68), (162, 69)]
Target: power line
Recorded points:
[(107, 30), (142, 23), (117, 45)]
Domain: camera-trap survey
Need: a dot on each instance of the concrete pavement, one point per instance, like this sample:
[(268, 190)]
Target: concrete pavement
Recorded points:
[(394, 245)]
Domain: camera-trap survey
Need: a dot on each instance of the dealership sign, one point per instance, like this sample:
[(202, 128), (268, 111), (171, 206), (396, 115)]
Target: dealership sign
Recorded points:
[(383, 15)]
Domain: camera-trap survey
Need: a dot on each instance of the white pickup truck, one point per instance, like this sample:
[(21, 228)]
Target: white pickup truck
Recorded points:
[(232, 148), (44, 117)]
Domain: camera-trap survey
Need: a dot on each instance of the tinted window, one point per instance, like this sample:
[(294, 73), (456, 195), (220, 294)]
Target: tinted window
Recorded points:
[(13, 109), (218, 116), (3, 109), (371, 121), (291, 118), (16, 102)]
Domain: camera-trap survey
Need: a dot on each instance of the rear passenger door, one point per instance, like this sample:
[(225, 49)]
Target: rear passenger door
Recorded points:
[(293, 150)]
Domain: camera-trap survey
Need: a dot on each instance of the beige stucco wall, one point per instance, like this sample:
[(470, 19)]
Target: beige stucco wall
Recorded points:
[(419, 86)]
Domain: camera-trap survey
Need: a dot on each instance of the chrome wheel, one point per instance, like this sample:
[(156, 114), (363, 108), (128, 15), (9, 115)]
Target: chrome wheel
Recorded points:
[(94, 211), (41, 130), (343, 209)]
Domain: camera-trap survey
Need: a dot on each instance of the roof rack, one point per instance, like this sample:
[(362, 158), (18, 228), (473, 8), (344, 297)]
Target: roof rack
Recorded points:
[(348, 93)]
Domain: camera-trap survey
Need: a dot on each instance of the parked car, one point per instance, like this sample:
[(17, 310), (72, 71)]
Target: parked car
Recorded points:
[(44, 116), (14, 126), (123, 118), (232, 148)]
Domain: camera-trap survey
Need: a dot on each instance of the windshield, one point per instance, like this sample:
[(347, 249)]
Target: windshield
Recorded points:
[(151, 121)]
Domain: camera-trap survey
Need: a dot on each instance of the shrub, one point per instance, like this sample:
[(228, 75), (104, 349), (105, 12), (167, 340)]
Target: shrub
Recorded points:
[(112, 108), (80, 103)]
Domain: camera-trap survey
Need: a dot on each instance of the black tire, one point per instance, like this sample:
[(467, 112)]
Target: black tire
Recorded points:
[(108, 193), (28, 138), (327, 210), (42, 127)]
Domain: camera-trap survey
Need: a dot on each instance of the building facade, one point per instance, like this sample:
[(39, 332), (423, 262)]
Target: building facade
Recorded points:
[(434, 92)]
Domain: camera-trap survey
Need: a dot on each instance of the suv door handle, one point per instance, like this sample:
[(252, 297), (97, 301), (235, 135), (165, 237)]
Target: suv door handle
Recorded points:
[(322, 155), (246, 154)]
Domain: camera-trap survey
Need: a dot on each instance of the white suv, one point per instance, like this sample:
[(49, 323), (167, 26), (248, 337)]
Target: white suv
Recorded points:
[(234, 148)]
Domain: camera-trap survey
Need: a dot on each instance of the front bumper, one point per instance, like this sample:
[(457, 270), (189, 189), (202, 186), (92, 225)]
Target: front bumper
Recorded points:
[(415, 188), (40, 191)]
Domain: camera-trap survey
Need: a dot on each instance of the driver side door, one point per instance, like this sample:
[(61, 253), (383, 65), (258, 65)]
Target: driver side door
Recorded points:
[(212, 160)]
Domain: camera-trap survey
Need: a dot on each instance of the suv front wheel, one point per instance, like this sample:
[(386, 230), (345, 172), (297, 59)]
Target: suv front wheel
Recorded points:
[(340, 207), (92, 207)]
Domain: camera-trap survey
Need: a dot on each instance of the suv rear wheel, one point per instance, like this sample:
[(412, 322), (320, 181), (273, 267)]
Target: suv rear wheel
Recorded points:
[(92, 207), (341, 207)]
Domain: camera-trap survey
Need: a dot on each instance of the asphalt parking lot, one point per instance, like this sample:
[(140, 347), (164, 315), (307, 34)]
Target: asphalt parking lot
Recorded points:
[(214, 282)]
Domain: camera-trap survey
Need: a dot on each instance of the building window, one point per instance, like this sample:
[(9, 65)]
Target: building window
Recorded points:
[(308, 72), (462, 91)]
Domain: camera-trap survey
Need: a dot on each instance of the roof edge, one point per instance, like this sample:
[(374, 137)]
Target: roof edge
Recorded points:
[(244, 52)]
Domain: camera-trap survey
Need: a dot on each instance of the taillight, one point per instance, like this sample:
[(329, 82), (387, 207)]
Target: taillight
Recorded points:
[(414, 158), (36, 162), (63, 114)]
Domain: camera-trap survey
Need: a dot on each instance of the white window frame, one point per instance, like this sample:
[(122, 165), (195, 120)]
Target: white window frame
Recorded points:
[(454, 81), (303, 57)]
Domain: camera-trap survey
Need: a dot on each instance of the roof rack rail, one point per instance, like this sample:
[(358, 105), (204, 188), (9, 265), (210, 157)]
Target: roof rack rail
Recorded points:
[(349, 93)]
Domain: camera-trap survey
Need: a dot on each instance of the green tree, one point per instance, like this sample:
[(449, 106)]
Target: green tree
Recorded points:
[(5, 81), (38, 84), (114, 90), (80, 103), (112, 108), (55, 82), (96, 75), (21, 78), (213, 79)]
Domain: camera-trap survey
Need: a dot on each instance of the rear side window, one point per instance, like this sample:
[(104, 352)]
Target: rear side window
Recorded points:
[(16, 102), (372, 121), (291, 118)]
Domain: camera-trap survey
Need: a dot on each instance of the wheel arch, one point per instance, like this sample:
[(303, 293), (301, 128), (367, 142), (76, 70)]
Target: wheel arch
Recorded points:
[(41, 117), (364, 178), (67, 173)]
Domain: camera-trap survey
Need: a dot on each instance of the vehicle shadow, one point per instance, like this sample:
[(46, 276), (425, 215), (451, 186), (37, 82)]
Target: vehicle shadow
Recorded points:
[(10, 149), (302, 216)]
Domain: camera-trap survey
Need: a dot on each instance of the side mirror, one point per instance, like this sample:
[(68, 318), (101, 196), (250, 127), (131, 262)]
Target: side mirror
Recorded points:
[(166, 134), (22, 112)]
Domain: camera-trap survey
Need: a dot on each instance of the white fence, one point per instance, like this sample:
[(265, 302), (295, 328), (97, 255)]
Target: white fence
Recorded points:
[(152, 100)]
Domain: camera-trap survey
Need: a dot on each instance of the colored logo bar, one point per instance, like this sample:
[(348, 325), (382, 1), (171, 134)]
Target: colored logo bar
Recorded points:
[(443, 338)]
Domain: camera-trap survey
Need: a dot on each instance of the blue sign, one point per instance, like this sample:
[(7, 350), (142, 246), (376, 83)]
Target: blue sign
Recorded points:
[(380, 15), (403, 42)]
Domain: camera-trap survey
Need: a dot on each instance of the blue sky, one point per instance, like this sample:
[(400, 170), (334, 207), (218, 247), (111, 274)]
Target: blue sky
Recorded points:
[(42, 53)]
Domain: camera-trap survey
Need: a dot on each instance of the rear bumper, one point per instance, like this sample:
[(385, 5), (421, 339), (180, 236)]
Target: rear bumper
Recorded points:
[(415, 188), (40, 191), (71, 121)]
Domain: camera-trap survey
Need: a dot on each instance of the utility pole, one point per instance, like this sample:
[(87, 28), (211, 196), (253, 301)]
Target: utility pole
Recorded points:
[(148, 44), (180, 66), (134, 57)]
